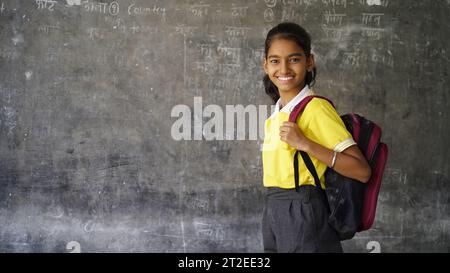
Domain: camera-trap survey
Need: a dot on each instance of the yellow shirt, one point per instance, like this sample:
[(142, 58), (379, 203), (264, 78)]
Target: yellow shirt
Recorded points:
[(319, 122)]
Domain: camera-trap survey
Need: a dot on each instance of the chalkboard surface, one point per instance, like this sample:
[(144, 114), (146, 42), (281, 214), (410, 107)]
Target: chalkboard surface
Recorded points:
[(121, 124)]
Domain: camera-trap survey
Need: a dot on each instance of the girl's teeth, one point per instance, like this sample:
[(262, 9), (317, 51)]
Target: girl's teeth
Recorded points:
[(284, 78)]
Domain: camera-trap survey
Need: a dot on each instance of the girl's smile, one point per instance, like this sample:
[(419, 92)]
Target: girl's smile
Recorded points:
[(285, 79)]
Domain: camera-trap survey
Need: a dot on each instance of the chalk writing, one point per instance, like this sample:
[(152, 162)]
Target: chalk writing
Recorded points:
[(155, 10), (382, 3), (214, 232), (335, 3), (206, 67), (360, 58), (95, 33), (119, 25), (233, 52), (237, 11), (223, 83), (9, 118), (73, 2), (371, 18), (373, 32), (206, 50), (296, 2), (384, 59), (292, 15), (185, 30), (257, 54), (51, 56), (236, 31), (143, 29), (103, 8), (212, 68), (198, 204), (332, 32), (46, 28), (45, 4), (93, 7), (351, 58), (264, 31), (228, 69), (114, 8), (2, 8), (269, 16), (271, 3), (214, 83), (199, 10), (332, 18)]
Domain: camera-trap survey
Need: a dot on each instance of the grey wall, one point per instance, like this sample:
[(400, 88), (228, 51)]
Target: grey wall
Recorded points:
[(86, 94)]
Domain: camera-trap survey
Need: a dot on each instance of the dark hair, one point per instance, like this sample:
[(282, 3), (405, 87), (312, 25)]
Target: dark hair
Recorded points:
[(296, 33)]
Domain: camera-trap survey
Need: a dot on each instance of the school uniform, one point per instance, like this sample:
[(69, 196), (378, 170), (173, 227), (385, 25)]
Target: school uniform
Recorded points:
[(298, 221)]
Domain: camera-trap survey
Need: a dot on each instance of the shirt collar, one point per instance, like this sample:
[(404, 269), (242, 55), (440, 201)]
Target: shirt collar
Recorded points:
[(306, 91)]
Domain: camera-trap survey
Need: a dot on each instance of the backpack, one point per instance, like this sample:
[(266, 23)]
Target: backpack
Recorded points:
[(352, 204)]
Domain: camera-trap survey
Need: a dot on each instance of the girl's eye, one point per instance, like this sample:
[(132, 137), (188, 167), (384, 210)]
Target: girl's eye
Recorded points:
[(294, 60), (273, 61)]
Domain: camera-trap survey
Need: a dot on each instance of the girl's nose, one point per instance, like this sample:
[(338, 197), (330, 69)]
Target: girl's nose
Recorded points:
[(284, 69)]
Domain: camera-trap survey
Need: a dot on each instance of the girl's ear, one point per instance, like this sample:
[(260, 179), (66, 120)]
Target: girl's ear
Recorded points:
[(311, 62), (265, 66)]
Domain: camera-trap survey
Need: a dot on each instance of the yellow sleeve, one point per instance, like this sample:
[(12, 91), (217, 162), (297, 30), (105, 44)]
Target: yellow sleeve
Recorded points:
[(325, 126)]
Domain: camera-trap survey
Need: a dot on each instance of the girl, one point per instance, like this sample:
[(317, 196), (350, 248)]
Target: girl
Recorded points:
[(297, 221)]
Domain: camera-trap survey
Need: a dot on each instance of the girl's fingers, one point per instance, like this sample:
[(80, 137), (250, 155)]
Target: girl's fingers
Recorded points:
[(284, 129), (287, 126)]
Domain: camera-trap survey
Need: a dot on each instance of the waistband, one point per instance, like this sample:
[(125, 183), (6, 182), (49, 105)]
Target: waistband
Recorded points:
[(305, 193)]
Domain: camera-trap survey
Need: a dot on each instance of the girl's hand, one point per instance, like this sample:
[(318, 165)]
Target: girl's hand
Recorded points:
[(292, 135)]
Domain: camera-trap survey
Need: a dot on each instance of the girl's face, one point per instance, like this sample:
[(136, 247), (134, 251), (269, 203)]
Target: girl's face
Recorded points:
[(286, 65)]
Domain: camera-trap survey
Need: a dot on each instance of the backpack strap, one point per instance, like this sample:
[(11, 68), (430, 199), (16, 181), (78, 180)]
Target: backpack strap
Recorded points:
[(309, 166), (298, 109)]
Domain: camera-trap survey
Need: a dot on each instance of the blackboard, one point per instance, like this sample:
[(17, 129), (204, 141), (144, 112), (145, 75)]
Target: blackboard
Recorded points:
[(93, 95)]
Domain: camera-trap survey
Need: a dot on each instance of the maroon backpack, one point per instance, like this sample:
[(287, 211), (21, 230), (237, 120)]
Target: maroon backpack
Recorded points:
[(352, 203)]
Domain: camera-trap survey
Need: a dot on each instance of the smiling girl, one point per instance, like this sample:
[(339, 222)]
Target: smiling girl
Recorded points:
[(297, 221)]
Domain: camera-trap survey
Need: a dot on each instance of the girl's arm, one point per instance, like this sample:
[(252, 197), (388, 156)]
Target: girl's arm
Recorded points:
[(350, 162)]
